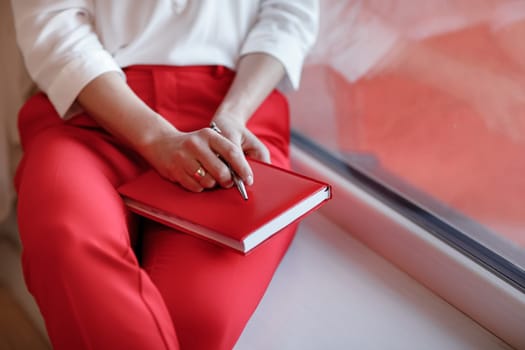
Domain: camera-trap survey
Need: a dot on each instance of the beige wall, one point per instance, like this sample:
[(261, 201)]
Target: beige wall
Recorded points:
[(14, 88)]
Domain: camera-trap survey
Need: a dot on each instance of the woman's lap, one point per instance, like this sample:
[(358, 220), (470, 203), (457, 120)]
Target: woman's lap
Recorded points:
[(68, 178), (67, 198)]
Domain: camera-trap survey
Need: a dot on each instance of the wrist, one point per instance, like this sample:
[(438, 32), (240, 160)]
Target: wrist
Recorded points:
[(232, 112), (228, 119), (151, 132)]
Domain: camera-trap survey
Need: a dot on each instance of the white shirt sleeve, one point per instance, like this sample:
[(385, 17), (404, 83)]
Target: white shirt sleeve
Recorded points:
[(286, 30), (61, 50)]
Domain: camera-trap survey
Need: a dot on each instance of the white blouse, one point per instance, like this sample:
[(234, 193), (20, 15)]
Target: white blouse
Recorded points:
[(68, 43)]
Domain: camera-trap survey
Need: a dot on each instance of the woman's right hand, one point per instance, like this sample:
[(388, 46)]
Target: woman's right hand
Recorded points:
[(194, 159), (176, 155)]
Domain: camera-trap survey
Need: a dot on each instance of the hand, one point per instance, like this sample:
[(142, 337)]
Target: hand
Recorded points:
[(237, 132), (178, 156)]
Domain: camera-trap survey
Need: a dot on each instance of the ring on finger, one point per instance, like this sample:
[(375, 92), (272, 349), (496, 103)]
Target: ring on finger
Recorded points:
[(199, 173)]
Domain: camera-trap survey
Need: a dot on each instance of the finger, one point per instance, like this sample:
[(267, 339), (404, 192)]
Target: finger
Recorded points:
[(201, 176), (215, 167), (233, 155), (189, 175), (198, 153), (187, 178), (207, 181), (190, 184)]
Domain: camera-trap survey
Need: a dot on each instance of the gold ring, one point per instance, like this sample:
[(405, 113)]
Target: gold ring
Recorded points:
[(200, 173)]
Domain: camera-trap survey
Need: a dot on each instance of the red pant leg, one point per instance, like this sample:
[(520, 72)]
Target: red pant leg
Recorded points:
[(77, 257), (211, 291)]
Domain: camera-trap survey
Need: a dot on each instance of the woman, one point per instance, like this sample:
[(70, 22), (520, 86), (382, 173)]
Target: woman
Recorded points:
[(127, 86)]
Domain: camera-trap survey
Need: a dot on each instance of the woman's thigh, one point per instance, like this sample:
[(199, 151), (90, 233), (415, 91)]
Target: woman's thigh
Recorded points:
[(210, 291), (66, 191), (78, 254), (70, 173)]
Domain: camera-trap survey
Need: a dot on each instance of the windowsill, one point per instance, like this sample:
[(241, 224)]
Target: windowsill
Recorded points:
[(332, 292), (455, 285)]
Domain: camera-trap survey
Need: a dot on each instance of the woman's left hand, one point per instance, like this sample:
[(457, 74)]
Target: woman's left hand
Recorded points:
[(236, 131)]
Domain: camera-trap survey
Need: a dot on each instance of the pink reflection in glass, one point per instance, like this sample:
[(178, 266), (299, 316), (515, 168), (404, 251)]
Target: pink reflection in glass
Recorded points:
[(435, 90)]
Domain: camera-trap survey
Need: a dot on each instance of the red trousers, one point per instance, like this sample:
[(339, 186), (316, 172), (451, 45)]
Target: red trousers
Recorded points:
[(105, 279)]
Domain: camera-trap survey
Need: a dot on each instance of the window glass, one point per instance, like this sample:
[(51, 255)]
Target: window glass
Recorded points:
[(428, 98)]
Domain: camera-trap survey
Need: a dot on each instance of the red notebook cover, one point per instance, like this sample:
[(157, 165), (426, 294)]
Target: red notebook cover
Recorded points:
[(277, 198)]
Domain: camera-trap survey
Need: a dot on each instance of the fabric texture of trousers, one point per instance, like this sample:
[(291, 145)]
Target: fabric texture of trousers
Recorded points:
[(97, 285)]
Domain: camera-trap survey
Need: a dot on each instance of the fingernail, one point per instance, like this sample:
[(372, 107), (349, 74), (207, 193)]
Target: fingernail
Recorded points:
[(249, 180)]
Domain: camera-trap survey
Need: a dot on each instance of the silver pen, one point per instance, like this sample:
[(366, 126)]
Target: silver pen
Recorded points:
[(236, 179)]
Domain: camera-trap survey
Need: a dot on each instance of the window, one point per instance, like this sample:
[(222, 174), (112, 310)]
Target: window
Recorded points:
[(423, 105)]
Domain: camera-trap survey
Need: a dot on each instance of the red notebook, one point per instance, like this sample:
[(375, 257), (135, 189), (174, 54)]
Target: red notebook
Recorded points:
[(277, 198)]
